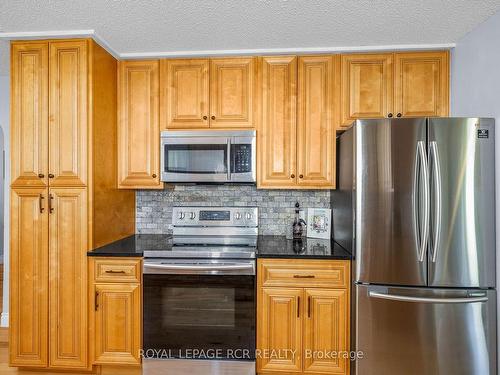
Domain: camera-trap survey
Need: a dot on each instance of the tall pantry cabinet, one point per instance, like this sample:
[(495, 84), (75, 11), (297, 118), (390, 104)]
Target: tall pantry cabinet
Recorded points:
[(64, 198)]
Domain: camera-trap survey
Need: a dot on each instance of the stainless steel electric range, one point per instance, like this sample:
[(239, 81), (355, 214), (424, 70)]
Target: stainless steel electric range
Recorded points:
[(199, 296)]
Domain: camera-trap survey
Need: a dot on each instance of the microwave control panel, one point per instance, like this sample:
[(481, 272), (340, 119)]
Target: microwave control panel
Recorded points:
[(241, 156)]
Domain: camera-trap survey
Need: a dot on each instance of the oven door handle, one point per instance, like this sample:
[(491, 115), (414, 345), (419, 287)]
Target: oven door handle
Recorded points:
[(208, 267)]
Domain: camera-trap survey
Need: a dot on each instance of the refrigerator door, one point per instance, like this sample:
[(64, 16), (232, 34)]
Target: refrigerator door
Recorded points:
[(425, 331), (390, 221), (462, 179)]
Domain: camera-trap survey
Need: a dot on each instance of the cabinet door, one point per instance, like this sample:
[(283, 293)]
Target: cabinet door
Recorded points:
[(315, 121), (118, 323), (68, 113), (279, 329), (138, 125), (29, 291), (422, 84), (326, 331), (277, 132), (367, 87), (68, 278), (232, 92), (184, 94), (29, 114)]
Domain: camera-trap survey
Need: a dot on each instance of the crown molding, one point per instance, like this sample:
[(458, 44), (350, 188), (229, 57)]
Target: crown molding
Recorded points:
[(60, 34), (285, 51), (204, 53)]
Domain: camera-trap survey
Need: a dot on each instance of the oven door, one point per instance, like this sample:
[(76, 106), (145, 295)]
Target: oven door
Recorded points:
[(199, 309), (195, 159)]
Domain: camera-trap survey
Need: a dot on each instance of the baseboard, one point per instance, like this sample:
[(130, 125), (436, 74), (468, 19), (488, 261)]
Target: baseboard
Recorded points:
[(4, 321)]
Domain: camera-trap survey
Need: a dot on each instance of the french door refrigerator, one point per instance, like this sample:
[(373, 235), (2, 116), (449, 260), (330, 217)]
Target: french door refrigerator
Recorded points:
[(416, 204)]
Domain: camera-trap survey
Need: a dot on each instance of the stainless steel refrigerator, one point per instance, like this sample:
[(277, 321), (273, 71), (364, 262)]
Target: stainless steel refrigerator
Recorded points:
[(415, 203)]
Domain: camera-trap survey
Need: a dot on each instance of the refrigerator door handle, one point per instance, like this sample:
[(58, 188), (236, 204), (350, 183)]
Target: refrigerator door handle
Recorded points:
[(425, 220), (415, 203), (438, 202), (427, 299)]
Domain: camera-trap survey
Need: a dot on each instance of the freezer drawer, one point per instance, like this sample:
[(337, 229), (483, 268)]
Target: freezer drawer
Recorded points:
[(425, 331)]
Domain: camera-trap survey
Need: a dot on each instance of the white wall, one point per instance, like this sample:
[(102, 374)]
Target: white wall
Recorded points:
[(4, 124), (475, 89)]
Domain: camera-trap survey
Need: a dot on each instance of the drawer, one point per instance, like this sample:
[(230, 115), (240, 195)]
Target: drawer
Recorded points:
[(304, 273), (117, 270)]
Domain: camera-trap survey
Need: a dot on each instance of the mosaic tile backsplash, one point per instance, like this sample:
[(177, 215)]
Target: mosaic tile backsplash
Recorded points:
[(276, 207)]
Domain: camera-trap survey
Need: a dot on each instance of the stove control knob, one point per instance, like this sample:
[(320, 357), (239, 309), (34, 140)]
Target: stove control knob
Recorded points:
[(182, 215), (192, 216), (248, 216), (237, 216)]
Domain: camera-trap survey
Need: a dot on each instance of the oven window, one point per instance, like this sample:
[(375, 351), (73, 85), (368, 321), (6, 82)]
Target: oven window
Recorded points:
[(184, 312), (196, 158), (198, 307)]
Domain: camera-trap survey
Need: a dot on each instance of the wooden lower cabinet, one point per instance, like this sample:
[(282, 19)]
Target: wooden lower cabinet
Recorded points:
[(117, 323), (325, 330), (280, 329), (29, 274), (116, 311), (302, 329), (68, 278)]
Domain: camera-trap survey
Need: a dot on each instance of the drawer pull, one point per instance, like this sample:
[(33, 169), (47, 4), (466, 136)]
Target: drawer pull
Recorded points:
[(113, 271), (303, 276)]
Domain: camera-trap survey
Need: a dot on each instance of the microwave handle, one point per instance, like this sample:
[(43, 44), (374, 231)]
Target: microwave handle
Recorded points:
[(229, 159)]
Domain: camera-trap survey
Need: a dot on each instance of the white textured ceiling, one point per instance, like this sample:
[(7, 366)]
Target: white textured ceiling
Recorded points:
[(131, 26)]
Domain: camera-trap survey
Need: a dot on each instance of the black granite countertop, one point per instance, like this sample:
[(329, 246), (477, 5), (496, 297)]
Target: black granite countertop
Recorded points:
[(267, 247)]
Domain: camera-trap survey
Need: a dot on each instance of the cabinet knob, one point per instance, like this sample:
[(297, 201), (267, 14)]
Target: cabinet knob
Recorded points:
[(399, 115), (154, 175), (41, 175), (205, 117), (389, 115), (51, 175), (292, 176), (213, 117), (301, 176)]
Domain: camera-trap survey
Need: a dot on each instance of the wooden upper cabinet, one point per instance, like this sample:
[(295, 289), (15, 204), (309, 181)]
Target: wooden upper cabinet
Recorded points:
[(277, 130), (117, 323), (68, 278), (422, 84), (29, 114), (279, 328), (138, 125), (315, 121), (326, 330), (68, 125), (367, 86), (29, 292), (184, 94), (232, 92)]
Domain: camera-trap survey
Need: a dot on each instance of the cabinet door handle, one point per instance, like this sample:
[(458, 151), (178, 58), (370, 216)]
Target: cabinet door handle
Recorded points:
[(51, 175), (41, 175), (40, 202), (303, 276), (292, 176), (154, 175), (399, 115), (389, 115), (298, 307), (301, 176), (113, 271), (205, 117), (213, 117), (309, 306), (51, 198), (96, 301)]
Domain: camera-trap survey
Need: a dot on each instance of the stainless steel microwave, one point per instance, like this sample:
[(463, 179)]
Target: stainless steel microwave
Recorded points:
[(208, 156)]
